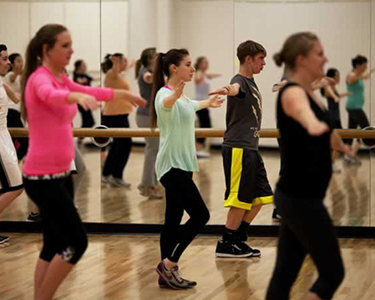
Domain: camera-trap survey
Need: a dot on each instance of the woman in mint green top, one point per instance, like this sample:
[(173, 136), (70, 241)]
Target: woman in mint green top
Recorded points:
[(174, 114), (355, 101)]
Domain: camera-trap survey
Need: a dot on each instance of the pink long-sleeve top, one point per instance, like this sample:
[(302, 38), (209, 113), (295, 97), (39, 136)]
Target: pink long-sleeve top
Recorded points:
[(50, 116)]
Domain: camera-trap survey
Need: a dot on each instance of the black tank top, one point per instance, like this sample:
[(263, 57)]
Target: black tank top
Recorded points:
[(307, 167)]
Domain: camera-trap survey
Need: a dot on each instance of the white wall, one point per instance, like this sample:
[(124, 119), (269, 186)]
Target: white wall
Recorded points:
[(206, 27), (215, 28)]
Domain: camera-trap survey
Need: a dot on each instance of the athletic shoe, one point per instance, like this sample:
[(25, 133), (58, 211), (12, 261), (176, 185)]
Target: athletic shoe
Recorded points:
[(203, 154), (276, 216), (172, 277), (356, 161), (150, 192), (246, 248), (33, 217), (335, 169), (105, 179), (118, 182), (230, 249), (164, 285), (3, 239)]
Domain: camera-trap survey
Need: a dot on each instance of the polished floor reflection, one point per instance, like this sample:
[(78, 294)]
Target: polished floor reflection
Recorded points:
[(348, 197), (122, 267)]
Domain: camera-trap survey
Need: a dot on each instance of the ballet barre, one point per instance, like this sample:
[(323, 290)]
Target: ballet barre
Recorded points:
[(212, 133)]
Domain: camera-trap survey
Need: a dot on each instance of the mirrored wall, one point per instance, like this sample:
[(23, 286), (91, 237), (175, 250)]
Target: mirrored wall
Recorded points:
[(212, 29)]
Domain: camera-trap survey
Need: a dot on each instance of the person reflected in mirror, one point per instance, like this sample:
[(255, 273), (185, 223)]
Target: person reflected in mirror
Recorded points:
[(202, 80), (355, 101), (144, 74), (116, 115), (333, 97), (11, 185)]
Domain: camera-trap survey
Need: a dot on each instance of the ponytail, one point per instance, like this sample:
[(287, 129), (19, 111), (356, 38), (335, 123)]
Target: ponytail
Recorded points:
[(157, 84), (138, 66)]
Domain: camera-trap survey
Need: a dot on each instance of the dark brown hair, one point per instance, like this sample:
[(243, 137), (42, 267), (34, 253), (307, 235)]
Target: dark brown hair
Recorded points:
[(34, 55), (163, 63), (107, 64), (358, 61), (249, 48), (146, 56), (297, 44)]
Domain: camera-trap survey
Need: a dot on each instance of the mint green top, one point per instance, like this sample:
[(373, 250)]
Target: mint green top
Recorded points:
[(177, 134), (357, 98)]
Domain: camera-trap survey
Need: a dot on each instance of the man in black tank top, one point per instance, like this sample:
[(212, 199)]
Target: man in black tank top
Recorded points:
[(247, 187)]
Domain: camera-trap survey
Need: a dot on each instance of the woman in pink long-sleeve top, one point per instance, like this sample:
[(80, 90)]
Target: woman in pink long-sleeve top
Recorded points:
[(49, 103)]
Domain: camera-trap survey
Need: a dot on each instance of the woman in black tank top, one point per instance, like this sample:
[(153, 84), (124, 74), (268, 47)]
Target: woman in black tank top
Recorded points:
[(307, 139)]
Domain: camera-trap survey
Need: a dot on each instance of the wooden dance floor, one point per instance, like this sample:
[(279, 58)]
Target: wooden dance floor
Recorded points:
[(123, 267), (348, 198)]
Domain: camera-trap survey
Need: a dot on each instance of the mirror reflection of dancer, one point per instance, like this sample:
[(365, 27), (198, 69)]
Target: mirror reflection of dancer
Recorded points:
[(333, 99), (247, 186), (116, 115), (306, 227), (10, 175), (174, 114), (49, 103), (144, 74), (355, 101), (202, 82)]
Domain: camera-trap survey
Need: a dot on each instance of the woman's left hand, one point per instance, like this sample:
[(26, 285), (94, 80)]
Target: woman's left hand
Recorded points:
[(215, 101)]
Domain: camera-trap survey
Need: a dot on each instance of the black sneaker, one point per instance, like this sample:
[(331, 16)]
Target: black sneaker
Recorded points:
[(246, 248), (33, 217), (230, 249), (3, 239)]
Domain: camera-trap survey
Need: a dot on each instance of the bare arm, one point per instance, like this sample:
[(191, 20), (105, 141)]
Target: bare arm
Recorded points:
[(12, 95), (330, 93), (296, 105), (169, 101), (213, 75), (213, 102), (345, 94), (229, 90), (279, 85)]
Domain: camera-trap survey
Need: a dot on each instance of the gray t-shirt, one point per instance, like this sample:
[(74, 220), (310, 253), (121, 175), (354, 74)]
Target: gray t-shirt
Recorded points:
[(244, 115), (145, 89)]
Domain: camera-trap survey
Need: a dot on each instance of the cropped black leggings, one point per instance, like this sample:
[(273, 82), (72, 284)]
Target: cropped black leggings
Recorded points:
[(306, 228), (63, 231), (181, 195)]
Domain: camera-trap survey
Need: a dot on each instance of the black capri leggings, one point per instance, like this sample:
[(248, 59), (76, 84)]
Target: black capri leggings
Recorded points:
[(204, 121), (63, 231), (181, 194), (357, 118), (306, 228)]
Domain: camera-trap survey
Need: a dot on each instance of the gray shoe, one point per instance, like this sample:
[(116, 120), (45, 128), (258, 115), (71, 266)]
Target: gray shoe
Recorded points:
[(117, 182), (172, 277)]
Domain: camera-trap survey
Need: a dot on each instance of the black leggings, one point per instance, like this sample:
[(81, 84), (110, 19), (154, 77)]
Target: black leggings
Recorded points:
[(21, 144), (357, 118), (87, 117), (306, 228), (63, 231), (181, 194), (119, 152), (204, 121)]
